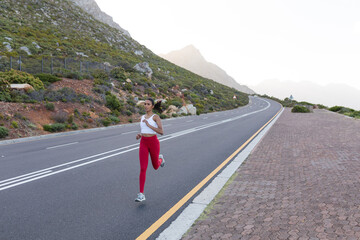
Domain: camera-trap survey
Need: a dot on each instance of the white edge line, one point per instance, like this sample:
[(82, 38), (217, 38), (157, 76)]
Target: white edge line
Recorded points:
[(193, 211), (21, 179), (129, 132), (63, 145), (22, 176), (67, 163), (66, 169), (82, 159)]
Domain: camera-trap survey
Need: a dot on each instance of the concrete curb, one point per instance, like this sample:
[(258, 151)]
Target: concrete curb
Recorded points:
[(192, 212)]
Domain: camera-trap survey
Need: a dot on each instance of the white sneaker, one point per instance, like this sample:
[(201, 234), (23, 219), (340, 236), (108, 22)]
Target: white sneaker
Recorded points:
[(140, 197), (163, 160)]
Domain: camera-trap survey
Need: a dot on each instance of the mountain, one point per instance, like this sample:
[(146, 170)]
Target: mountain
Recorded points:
[(191, 59), (91, 7), (329, 95), (36, 29)]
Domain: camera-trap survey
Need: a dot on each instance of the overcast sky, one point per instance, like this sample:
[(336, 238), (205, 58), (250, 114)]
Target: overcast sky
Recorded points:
[(253, 40)]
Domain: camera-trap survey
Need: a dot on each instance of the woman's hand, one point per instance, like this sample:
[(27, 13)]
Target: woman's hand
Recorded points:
[(138, 136), (146, 122)]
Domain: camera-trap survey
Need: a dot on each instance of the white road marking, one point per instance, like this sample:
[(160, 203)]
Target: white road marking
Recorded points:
[(63, 145), (189, 120), (10, 179), (65, 169), (166, 125), (174, 135), (21, 179), (129, 132)]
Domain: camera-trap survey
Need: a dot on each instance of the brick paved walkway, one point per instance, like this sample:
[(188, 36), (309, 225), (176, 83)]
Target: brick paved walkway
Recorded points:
[(301, 182)]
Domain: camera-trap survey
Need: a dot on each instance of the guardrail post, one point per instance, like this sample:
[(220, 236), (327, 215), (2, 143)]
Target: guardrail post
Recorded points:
[(52, 64)]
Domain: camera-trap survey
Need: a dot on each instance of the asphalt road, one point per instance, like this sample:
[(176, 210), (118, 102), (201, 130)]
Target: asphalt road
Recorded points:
[(83, 186)]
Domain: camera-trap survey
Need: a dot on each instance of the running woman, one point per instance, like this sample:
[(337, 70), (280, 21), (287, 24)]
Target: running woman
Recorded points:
[(150, 125)]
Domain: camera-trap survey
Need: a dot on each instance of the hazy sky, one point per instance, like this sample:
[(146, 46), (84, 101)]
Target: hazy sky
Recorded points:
[(253, 40)]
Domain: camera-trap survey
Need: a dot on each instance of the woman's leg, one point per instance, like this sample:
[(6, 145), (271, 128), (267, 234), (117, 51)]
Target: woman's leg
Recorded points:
[(144, 159), (154, 152)]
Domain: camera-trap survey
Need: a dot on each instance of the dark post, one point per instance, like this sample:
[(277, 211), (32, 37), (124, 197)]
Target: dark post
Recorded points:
[(52, 63)]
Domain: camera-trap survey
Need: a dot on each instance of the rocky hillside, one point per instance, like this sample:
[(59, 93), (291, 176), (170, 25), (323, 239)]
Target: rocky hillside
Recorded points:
[(60, 28), (91, 7), (191, 59)]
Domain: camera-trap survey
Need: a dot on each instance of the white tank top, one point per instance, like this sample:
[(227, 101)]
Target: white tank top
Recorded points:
[(145, 128)]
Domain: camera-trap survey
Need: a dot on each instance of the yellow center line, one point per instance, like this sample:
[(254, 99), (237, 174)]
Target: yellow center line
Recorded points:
[(148, 232)]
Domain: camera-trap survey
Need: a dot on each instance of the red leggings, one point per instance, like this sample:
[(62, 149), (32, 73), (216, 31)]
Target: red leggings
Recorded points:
[(152, 145)]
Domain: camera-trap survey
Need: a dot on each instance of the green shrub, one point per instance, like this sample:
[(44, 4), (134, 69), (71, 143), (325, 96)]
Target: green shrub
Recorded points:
[(115, 113), (118, 73), (128, 87), (100, 74), (50, 106), (15, 76), (114, 119), (335, 108), (130, 120), (70, 119), (163, 116), (300, 109), (320, 106), (128, 112), (112, 102), (56, 127), (85, 114), (3, 132), (106, 122), (355, 114), (74, 126), (32, 126), (4, 85), (174, 115), (5, 96), (14, 124), (176, 102), (346, 110), (74, 75), (46, 77)]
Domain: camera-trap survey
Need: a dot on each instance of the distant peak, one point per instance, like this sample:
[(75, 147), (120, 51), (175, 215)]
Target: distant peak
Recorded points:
[(191, 47), (188, 52)]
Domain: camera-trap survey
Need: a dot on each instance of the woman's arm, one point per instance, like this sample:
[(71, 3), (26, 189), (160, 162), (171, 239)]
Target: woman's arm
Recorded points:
[(159, 129)]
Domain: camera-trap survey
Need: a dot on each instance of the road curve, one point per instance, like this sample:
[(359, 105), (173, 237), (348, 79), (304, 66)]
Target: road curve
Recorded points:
[(82, 186)]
